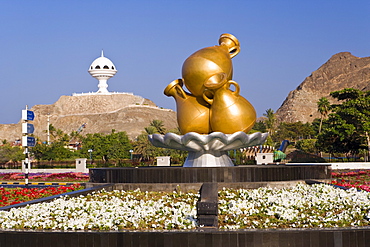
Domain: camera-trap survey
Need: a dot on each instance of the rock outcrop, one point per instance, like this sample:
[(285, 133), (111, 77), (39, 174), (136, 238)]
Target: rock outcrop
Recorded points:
[(343, 70), (100, 113)]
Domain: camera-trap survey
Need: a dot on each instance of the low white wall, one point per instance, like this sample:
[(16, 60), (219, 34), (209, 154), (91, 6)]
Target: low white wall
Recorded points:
[(351, 165), (80, 167), (41, 170), (334, 166), (337, 165)]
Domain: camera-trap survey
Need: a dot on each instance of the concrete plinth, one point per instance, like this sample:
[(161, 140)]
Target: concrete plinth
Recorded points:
[(234, 174)]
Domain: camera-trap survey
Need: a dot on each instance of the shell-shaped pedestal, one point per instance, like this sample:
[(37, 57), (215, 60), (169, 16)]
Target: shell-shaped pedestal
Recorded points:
[(210, 158), (208, 150)]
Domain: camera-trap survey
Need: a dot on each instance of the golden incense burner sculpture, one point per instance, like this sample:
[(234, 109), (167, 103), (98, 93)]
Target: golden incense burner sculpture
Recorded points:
[(211, 105), (212, 117)]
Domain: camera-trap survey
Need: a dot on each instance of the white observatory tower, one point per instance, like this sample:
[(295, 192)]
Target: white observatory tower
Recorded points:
[(102, 69)]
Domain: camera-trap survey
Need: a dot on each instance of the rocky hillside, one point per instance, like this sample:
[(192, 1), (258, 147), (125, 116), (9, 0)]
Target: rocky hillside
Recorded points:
[(101, 113), (342, 70)]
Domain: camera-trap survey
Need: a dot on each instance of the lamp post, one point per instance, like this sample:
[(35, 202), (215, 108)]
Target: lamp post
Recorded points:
[(131, 151), (48, 130), (90, 152)]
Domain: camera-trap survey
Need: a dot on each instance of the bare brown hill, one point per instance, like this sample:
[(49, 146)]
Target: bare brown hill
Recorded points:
[(101, 113), (343, 70)]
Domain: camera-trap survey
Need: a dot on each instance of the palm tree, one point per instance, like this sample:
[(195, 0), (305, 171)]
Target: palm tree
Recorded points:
[(270, 121), (323, 107), (151, 130), (142, 146), (158, 124)]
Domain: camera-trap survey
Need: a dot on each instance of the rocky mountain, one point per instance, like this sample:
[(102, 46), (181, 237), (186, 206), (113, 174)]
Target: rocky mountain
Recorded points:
[(100, 113), (343, 70)]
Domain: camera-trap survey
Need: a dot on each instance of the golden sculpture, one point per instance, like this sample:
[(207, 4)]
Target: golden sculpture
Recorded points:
[(211, 105), (192, 112)]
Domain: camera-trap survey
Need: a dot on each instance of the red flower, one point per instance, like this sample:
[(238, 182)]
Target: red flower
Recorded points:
[(18, 195)]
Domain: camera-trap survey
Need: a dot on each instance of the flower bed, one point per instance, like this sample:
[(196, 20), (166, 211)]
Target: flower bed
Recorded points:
[(300, 206), (107, 211), (49, 177), (353, 179), (303, 206), (11, 196)]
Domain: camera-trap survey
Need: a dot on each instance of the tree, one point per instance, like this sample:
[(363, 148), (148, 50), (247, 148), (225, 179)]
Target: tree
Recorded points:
[(306, 145), (348, 124), (293, 131), (270, 121), (143, 146), (119, 146), (159, 126), (151, 130), (115, 145), (57, 134), (9, 153), (259, 126), (75, 136), (112, 146), (57, 150), (42, 152), (323, 107)]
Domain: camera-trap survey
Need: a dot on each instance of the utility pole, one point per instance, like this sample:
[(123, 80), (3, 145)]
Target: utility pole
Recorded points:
[(48, 130)]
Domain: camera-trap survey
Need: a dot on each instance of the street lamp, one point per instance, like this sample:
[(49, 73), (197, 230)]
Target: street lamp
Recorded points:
[(90, 152), (131, 151)]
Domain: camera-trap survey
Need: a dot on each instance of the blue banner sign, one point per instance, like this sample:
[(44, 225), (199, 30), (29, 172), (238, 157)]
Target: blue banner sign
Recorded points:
[(27, 128), (28, 115), (28, 141), (30, 128)]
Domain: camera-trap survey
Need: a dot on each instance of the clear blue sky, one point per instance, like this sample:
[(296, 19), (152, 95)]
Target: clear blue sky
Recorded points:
[(47, 46)]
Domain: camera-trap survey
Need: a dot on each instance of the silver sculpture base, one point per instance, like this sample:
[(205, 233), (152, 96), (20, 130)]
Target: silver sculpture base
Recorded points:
[(208, 150), (208, 159)]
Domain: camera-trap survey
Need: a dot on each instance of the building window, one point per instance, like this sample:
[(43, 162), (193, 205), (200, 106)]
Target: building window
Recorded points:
[(97, 67), (112, 67), (105, 67)]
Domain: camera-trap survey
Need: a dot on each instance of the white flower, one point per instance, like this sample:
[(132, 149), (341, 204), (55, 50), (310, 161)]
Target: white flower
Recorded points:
[(298, 206)]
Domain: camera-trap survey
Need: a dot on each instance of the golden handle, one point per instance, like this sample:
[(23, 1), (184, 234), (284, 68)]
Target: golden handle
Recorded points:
[(233, 51), (236, 85), (180, 91), (205, 97), (231, 42), (175, 85)]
